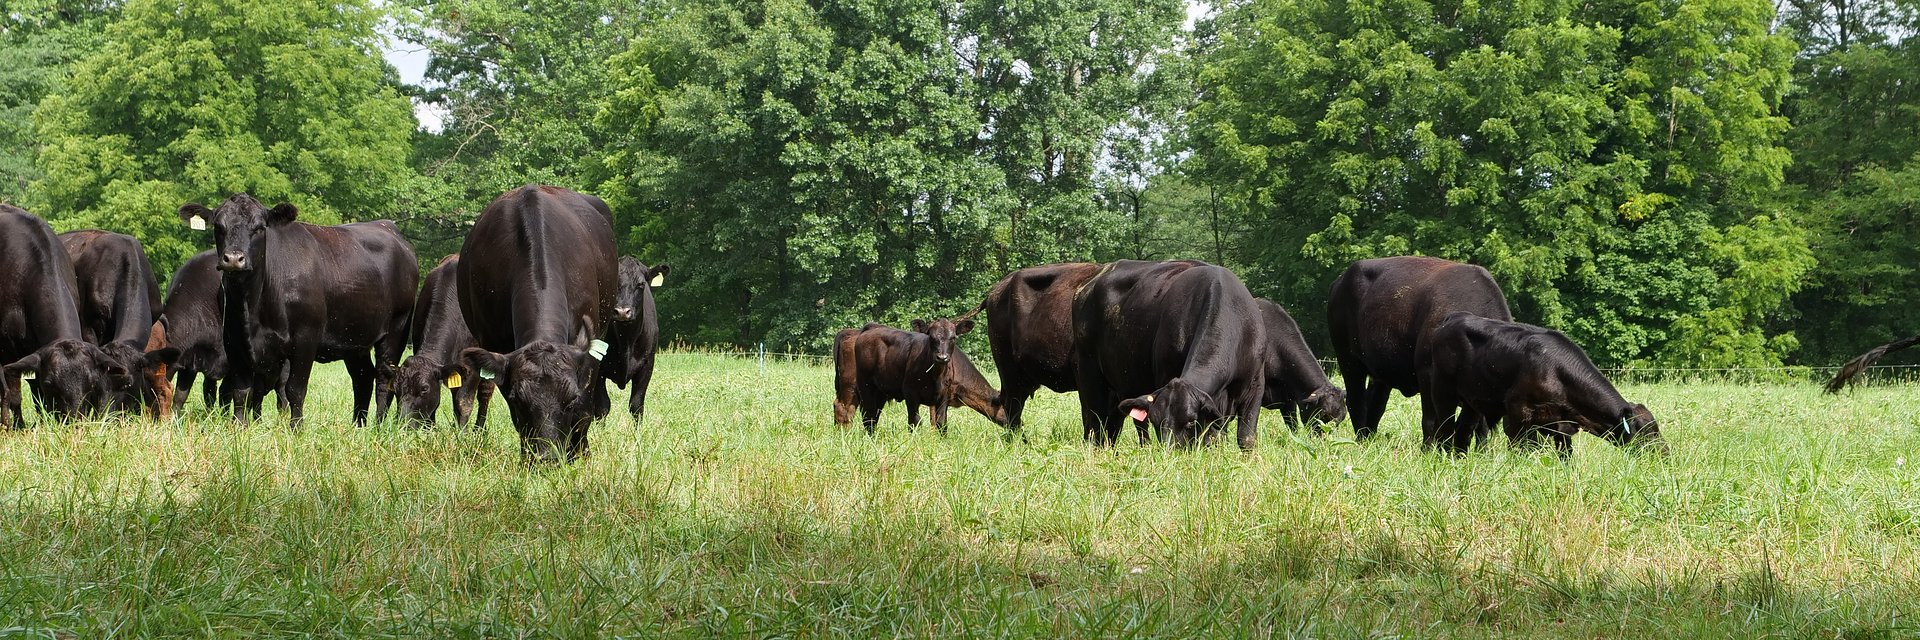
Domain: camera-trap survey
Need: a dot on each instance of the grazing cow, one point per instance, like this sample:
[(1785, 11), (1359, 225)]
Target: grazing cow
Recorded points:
[(1030, 329), (634, 332), (190, 322), (1178, 345), (119, 303), (296, 293), (40, 332), (1296, 385), (1380, 310), (877, 363), (1536, 380), (439, 335), (538, 279), (1859, 364)]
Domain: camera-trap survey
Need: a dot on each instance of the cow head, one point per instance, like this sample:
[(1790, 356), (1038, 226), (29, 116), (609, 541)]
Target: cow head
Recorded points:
[(943, 332), (1179, 406), (1635, 426), (240, 228), (72, 378), (549, 389), (417, 384), (635, 280), (142, 367), (1328, 404)]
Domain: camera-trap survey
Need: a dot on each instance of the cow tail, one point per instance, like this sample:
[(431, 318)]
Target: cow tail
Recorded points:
[(845, 374), (970, 314), (1855, 366)]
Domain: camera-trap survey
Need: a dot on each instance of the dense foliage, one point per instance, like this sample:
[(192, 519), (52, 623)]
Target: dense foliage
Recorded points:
[(1672, 182)]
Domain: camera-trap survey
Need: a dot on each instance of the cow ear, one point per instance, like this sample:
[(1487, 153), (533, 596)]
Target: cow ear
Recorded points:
[(281, 214), (483, 361), (1138, 408), (11, 373), (919, 326), (962, 327), (166, 355), (193, 210), (657, 273)]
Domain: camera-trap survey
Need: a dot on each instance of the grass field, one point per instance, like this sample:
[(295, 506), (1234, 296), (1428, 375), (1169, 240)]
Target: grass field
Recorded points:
[(738, 508)]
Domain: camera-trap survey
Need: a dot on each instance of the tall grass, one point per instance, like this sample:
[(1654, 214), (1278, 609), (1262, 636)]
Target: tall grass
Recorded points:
[(737, 508)]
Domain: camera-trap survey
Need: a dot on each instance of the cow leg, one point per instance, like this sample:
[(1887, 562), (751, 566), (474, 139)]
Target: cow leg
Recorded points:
[(299, 372), (360, 369), (913, 416), (642, 379), (1248, 432), (482, 399), (870, 411), (1013, 397), (939, 417), (1140, 427), (183, 388)]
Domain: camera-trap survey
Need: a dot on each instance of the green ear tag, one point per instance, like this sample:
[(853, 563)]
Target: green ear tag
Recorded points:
[(597, 349), (486, 374)]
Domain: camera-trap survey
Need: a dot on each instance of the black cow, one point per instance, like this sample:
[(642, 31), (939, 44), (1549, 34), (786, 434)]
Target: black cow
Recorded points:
[(40, 332), (190, 323), (1296, 385), (1179, 345), (1536, 380), (1030, 329), (295, 294), (1380, 310), (439, 335), (876, 363), (538, 280), (633, 334), (119, 301)]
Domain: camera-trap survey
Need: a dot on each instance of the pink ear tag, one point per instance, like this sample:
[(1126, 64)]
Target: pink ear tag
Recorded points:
[(1138, 414)]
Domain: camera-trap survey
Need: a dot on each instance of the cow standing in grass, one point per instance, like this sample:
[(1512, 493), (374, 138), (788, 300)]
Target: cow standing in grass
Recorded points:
[(190, 323), (1177, 345), (1535, 380), (119, 303), (1296, 385), (538, 280), (876, 364), (633, 335), (439, 333), (1380, 311), (295, 294), (1030, 329), (41, 337)]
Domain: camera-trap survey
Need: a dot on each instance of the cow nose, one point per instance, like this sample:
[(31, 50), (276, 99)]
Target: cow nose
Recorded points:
[(233, 261), (623, 313), (942, 357)]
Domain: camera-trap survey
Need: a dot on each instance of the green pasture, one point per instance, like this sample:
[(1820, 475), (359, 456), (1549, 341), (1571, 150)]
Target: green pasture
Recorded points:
[(736, 508)]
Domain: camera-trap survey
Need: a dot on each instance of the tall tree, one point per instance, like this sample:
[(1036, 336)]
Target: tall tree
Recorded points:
[(818, 165), (39, 41), (1615, 164), (1856, 132), (197, 99)]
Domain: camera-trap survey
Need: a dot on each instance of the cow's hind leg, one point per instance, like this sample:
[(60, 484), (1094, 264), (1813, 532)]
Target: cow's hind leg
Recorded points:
[(360, 369), (913, 416), (299, 372)]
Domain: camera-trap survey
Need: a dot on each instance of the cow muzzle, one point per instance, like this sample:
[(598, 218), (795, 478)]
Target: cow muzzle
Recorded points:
[(623, 314), (235, 261)]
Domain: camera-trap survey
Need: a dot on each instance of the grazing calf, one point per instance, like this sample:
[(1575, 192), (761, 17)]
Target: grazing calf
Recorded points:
[(1539, 382), (877, 363), (190, 323), (439, 335), (1030, 328), (538, 281), (119, 301), (1177, 345), (634, 332), (295, 294), (1380, 311), (1296, 385), (40, 333)]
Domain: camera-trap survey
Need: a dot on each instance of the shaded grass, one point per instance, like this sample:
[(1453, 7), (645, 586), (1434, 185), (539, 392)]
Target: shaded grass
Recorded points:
[(737, 508)]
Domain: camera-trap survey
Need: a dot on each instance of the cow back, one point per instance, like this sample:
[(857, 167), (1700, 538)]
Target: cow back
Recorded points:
[(1380, 310), (1145, 323), (539, 266), (118, 295), (38, 303), (1030, 323)]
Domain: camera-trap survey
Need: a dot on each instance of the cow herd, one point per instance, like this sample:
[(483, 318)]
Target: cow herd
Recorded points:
[(1182, 349), (539, 307)]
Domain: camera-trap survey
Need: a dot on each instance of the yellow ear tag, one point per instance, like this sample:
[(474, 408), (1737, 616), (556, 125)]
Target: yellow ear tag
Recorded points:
[(453, 380), (658, 279), (197, 223)]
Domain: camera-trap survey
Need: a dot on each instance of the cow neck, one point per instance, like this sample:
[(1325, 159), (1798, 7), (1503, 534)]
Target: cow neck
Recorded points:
[(133, 308), (1209, 353), (1594, 396)]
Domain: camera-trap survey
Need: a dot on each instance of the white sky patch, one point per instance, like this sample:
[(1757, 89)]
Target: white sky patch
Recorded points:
[(411, 61)]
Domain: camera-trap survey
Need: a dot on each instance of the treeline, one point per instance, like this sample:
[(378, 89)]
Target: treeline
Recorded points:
[(1672, 182)]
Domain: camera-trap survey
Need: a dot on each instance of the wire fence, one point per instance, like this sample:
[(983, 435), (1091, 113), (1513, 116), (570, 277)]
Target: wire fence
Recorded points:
[(1877, 374)]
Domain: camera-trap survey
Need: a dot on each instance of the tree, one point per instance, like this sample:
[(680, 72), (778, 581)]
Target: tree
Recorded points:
[(810, 166), (192, 100), (39, 41), (1614, 164)]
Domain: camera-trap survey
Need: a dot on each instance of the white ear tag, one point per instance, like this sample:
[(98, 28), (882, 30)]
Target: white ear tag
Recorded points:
[(597, 349), (658, 279), (197, 223)]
